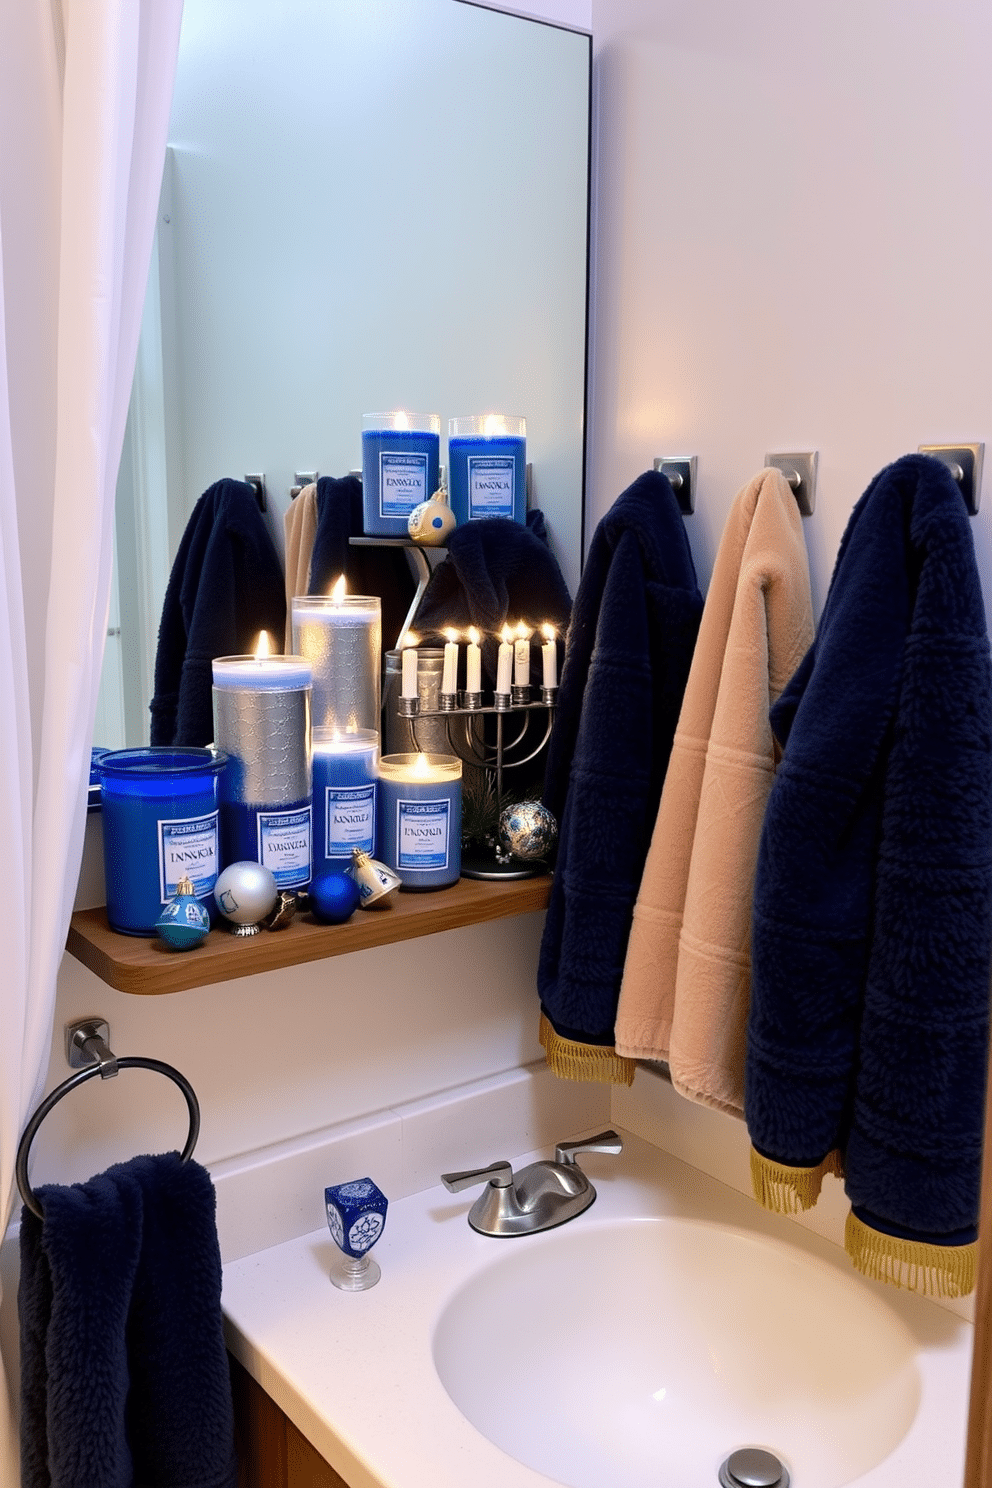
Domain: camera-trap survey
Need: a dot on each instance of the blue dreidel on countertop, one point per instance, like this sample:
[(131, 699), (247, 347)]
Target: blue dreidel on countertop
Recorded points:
[(356, 1217)]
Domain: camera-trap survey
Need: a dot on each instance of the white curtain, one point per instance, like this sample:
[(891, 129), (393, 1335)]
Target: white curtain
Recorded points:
[(85, 92)]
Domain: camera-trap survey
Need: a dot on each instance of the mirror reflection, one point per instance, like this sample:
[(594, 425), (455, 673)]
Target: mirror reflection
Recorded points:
[(364, 207)]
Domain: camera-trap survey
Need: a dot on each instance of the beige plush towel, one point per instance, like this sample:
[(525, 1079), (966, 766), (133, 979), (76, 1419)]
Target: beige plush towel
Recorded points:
[(686, 982), (300, 527)]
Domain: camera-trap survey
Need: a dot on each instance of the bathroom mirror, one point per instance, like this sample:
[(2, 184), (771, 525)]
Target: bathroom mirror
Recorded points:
[(367, 205)]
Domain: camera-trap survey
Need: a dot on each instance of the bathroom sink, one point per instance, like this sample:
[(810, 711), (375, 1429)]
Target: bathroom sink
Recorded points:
[(641, 1353)]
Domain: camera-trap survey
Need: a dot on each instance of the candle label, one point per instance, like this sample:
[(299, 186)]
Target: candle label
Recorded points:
[(350, 820), (490, 486), (402, 483), (284, 846), (422, 833), (188, 848)]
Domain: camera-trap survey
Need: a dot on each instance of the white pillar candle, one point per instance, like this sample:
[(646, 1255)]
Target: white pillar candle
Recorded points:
[(449, 674), (504, 662), (408, 681), (550, 656), (521, 657), (473, 662)]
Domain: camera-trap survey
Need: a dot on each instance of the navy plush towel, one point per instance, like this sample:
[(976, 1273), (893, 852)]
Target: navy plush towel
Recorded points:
[(497, 572), (226, 586), (124, 1372), (872, 927), (630, 645)]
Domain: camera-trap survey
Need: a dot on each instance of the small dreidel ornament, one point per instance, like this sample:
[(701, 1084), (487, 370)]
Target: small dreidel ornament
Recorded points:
[(356, 1217), (245, 893), (432, 522), (375, 881), (183, 922)]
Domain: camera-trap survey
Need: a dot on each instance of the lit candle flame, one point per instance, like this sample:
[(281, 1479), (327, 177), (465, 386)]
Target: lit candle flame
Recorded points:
[(262, 647), (409, 639), (402, 421), (507, 634), (549, 632), (421, 766), (338, 591), (523, 632), (474, 635), (451, 634), (494, 426)]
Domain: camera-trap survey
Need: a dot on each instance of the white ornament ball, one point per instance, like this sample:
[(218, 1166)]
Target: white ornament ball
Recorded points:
[(245, 892)]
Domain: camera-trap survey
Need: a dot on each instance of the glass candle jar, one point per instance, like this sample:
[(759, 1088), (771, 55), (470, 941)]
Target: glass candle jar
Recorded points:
[(345, 782), (487, 466), (420, 818), (341, 638), (401, 463), (160, 824), (262, 723)]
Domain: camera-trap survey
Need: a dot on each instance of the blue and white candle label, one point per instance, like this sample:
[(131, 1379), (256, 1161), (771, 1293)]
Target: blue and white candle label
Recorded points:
[(402, 483), (349, 814), (422, 829), (284, 845), (188, 848), (490, 486)]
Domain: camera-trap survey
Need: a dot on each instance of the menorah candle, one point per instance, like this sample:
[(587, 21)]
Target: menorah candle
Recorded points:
[(549, 657), (420, 818), (487, 466), (160, 825), (521, 657), (262, 714), (345, 777), (341, 637), (473, 662), (504, 663), (401, 462)]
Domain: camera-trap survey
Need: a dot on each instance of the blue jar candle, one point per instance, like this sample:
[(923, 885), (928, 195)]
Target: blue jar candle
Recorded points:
[(487, 467), (160, 825), (420, 818), (345, 788), (401, 464), (262, 723)]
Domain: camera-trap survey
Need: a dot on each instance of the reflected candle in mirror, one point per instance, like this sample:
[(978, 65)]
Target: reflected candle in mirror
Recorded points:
[(401, 463), (487, 464), (345, 777), (341, 636), (420, 818), (261, 707)]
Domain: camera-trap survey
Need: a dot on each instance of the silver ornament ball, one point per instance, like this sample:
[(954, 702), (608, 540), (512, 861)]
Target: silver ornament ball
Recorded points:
[(245, 892), (527, 830)]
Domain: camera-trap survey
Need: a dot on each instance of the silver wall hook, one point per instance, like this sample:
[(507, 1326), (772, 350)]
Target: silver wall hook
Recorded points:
[(258, 481), (964, 461), (800, 471), (680, 471), (304, 478)]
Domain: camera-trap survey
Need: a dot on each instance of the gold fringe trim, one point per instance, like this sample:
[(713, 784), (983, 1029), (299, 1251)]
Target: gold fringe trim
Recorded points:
[(787, 1190), (933, 1270), (594, 1063)]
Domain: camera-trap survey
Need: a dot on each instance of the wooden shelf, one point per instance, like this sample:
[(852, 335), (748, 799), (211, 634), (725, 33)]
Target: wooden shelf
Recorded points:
[(148, 967)]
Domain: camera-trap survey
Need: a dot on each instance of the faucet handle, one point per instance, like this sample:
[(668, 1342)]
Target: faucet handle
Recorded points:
[(607, 1141), (499, 1174)]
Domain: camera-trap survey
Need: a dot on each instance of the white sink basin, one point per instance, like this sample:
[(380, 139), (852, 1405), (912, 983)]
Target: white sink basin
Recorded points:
[(640, 1353)]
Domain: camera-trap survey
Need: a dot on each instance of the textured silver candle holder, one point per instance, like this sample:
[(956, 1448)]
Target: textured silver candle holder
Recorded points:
[(342, 640), (472, 700), (501, 702), (408, 707), (448, 702), (519, 695), (549, 696)]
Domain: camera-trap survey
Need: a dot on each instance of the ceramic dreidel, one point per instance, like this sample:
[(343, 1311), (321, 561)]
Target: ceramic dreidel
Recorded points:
[(356, 1216)]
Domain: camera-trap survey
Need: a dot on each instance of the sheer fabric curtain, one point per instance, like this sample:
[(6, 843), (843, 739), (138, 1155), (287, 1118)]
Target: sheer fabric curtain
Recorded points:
[(85, 92)]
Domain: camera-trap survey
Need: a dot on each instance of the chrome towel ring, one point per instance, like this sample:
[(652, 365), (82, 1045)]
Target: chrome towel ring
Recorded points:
[(86, 1044)]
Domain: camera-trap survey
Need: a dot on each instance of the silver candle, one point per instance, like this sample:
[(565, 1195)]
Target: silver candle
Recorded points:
[(341, 637)]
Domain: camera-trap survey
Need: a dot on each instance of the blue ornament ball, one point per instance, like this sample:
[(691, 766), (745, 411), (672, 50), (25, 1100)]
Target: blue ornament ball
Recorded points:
[(333, 897)]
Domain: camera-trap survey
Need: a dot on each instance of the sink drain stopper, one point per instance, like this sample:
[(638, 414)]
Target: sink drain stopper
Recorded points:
[(752, 1467)]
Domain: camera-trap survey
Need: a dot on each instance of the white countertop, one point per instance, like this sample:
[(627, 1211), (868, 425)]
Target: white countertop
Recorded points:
[(354, 1371)]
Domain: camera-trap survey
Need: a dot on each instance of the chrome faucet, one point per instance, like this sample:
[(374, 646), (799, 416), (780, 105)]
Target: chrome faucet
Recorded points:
[(539, 1197)]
